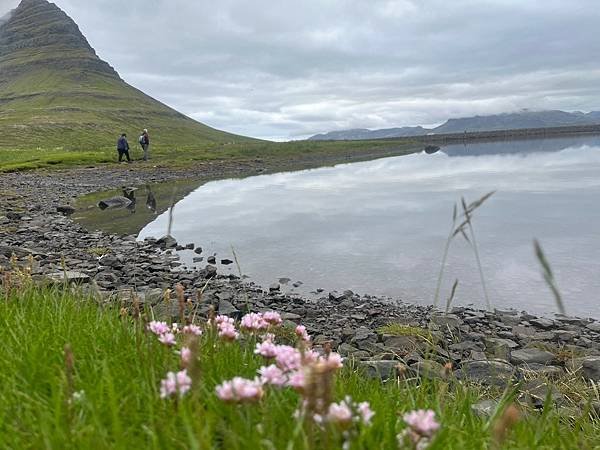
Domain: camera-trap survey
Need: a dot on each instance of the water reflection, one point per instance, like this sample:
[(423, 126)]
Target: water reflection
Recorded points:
[(379, 227)]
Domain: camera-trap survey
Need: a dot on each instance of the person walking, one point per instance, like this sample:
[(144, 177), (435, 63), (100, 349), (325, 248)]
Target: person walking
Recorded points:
[(145, 143), (123, 148)]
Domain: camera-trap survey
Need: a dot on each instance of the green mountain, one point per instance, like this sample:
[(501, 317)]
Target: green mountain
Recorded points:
[(56, 93)]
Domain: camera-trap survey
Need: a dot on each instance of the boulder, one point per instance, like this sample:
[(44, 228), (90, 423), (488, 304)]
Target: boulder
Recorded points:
[(167, 242), (70, 277), (383, 370), (114, 203), (67, 210), (594, 326), (488, 373), (531, 356), (591, 367)]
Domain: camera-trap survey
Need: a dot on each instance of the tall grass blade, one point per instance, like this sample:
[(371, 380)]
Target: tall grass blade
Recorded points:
[(549, 276)]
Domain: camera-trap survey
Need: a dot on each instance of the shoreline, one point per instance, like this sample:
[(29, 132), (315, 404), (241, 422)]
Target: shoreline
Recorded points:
[(483, 345)]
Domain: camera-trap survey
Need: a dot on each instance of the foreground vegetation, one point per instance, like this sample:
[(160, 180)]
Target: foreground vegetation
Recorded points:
[(79, 375)]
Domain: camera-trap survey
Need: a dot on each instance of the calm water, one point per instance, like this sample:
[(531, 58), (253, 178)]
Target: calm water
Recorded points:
[(379, 227)]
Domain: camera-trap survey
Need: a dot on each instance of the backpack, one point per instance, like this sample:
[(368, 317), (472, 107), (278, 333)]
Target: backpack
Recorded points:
[(142, 140)]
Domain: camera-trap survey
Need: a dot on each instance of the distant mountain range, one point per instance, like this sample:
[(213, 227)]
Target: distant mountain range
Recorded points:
[(508, 121)]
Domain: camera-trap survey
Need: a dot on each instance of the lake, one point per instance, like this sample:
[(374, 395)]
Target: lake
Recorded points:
[(379, 227)]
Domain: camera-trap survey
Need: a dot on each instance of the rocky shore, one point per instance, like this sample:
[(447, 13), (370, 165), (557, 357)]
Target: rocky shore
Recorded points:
[(490, 347)]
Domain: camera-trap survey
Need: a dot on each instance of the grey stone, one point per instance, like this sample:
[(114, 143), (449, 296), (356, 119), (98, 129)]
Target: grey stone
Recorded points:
[(383, 370), (550, 372), (226, 308), (167, 242), (531, 356), (346, 349), (591, 368), (489, 373), (198, 250), (114, 203), (65, 209), (69, 276), (543, 323), (428, 369), (537, 391), (446, 320), (594, 326)]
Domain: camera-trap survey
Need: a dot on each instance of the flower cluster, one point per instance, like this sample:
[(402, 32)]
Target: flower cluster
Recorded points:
[(226, 328), (422, 427), (175, 383), (240, 390), (166, 334), (346, 413)]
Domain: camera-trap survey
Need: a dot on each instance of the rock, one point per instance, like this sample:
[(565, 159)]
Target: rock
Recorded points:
[(14, 216), (284, 281), (591, 368), (346, 349), (485, 409), (364, 334), (65, 209), (594, 326), (198, 250), (274, 287), (537, 391), (70, 277), (114, 203), (401, 344), (198, 259), (211, 260), (167, 242), (226, 262), (209, 272), (531, 356), (489, 373), (336, 296), (383, 370), (190, 246), (550, 372), (546, 324), (226, 308), (446, 320)]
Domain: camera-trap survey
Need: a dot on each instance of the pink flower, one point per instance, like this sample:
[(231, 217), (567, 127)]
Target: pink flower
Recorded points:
[(186, 355), (297, 380), (422, 422), (253, 322), (365, 412), (340, 413), (158, 328), (175, 383), (167, 339), (267, 349), (224, 319), (334, 361), (288, 358), (227, 331), (192, 329), (272, 375), (302, 334), (272, 317), (240, 390)]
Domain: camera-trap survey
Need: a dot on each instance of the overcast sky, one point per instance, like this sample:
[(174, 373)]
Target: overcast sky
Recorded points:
[(287, 69)]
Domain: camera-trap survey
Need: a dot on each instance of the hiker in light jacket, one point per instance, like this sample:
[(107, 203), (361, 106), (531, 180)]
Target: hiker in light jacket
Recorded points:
[(145, 143), (123, 148)]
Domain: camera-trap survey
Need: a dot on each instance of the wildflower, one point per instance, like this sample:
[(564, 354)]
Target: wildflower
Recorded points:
[(365, 412), (193, 330), (422, 422), (266, 349), (272, 318), (167, 339), (334, 361), (288, 358), (272, 375), (297, 380), (158, 328), (340, 414), (186, 355), (223, 319), (227, 331), (240, 390), (302, 334), (174, 383), (253, 322)]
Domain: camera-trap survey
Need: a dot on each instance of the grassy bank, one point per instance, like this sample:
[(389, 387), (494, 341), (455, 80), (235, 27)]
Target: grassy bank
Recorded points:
[(12, 160), (103, 392)]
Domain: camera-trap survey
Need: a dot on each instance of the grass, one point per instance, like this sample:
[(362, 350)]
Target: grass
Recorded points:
[(397, 329), (117, 367)]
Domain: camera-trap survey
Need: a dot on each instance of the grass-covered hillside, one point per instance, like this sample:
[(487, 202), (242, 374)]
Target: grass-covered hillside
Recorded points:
[(57, 95)]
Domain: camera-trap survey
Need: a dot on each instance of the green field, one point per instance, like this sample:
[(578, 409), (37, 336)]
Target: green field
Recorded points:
[(103, 392)]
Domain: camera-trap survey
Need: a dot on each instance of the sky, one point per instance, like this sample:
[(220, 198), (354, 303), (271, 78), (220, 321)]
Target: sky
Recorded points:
[(288, 69)]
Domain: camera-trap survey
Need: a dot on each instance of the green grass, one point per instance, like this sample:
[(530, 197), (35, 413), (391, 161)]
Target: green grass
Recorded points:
[(119, 366)]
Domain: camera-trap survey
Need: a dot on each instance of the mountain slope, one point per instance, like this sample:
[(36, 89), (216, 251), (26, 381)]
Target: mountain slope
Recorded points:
[(56, 93), (512, 121)]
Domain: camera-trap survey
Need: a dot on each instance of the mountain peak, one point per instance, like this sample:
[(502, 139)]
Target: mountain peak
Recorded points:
[(39, 32)]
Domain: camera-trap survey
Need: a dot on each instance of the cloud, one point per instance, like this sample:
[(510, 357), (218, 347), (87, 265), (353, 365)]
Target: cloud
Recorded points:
[(289, 69)]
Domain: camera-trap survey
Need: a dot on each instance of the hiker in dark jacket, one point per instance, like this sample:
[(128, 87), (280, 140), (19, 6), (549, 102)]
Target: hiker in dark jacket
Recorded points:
[(145, 143), (123, 148)]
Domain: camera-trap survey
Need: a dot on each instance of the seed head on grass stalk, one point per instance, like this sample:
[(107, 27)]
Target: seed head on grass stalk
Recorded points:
[(461, 229)]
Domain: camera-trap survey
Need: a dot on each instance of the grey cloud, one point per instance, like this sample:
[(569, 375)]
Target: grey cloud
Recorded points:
[(288, 69)]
